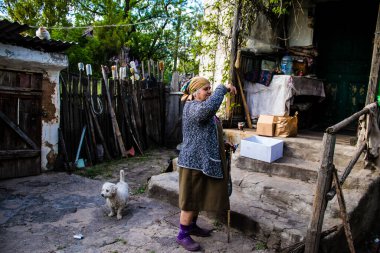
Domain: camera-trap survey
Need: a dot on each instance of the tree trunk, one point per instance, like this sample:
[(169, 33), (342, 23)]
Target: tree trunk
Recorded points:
[(178, 32), (234, 49), (373, 77)]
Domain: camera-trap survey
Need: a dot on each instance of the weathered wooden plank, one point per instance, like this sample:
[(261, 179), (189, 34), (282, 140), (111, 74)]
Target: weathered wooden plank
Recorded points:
[(320, 200), (339, 126), (128, 124), (18, 130), (16, 154), (65, 115), (137, 111), (63, 149), (375, 65), (330, 195), (343, 211), (113, 118), (21, 93), (19, 89)]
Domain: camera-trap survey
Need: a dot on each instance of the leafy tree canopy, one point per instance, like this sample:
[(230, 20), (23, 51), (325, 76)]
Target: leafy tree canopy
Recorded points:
[(147, 29)]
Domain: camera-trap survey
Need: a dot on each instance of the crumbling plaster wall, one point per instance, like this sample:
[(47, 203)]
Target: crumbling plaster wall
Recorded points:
[(49, 64)]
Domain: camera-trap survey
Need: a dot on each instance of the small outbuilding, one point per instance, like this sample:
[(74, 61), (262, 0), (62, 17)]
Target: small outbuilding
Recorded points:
[(29, 100)]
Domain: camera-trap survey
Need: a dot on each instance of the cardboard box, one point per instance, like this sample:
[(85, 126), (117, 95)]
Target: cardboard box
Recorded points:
[(262, 148), (266, 125)]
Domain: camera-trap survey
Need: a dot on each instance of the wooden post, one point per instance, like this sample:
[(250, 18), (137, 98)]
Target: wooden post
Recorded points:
[(343, 212), (324, 181), (375, 64)]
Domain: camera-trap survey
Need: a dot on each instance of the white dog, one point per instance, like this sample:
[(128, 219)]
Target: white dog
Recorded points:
[(116, 196)]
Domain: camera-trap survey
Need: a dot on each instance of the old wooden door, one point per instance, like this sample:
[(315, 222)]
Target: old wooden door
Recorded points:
[(20, 124)]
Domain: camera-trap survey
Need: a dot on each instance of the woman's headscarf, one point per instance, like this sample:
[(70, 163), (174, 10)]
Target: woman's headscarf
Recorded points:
[(193, 86)]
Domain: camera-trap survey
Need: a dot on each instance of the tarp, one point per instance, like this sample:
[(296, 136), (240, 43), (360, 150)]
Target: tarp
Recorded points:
[(278, 96)]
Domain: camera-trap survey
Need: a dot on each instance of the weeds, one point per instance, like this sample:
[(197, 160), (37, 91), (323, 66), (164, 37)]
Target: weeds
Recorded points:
[(104, 169), (217, 224), (260, 246), (140, 190), (121, 240)]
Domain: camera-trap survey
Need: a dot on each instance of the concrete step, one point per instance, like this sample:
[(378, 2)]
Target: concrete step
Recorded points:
[(308, 149), (274, 209), (264, 206), (294, 168), (287, 167)]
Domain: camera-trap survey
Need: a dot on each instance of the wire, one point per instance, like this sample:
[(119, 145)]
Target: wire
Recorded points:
[(100, 106), (98, 26)]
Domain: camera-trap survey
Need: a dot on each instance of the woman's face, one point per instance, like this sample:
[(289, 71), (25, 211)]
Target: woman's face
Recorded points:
[(203, 93)]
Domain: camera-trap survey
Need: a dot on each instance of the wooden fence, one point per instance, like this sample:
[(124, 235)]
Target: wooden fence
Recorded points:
[(116, 117)]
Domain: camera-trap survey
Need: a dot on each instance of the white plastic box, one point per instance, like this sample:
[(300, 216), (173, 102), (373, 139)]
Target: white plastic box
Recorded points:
[(262, 148)]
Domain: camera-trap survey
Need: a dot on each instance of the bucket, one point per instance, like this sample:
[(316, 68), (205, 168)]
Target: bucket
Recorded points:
[(241, 125), (79, 164)]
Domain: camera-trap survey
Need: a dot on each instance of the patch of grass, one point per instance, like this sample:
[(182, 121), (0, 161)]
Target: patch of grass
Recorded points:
[(121, 240), (140, 190), (105, 169), (217, 224), (60, 247), (260, 246)]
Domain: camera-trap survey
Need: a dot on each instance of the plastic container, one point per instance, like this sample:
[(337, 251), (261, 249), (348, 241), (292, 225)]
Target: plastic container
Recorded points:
[(287, 65)]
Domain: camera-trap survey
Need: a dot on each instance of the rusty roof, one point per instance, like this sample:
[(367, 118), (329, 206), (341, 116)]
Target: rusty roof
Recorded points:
[(10, 34)]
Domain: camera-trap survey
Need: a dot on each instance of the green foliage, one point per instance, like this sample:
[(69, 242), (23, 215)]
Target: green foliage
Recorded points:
[(146, 27), (171, 30), (140, 190), (260, 246)]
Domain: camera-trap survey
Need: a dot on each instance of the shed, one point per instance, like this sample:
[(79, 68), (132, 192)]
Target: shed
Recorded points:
[(29, 100)]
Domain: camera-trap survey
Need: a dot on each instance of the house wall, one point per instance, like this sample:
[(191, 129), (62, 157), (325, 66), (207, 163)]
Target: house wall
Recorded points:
[(50, 65)]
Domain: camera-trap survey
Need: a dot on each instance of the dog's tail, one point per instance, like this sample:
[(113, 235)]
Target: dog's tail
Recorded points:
[(122, 176)]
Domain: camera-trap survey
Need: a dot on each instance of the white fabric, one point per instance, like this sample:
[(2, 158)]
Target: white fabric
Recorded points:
[(272, 100)]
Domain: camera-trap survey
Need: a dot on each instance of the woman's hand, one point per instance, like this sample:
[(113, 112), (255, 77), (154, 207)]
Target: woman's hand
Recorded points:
[(228, 145), (231, 89)]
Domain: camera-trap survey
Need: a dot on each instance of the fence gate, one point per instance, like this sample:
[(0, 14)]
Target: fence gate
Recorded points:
[(20, 123)]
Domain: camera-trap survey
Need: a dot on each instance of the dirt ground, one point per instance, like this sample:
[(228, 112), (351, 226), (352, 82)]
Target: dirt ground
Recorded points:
[(43, 213)]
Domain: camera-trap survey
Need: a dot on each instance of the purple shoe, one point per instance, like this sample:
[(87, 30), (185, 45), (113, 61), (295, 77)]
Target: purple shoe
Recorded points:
[(197, 231), (189, 244)]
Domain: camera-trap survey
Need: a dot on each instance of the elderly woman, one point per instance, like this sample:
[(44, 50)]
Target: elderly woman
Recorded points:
[(203, 176)]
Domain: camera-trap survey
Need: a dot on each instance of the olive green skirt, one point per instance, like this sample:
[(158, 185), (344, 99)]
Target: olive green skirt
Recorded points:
[(198, 192)]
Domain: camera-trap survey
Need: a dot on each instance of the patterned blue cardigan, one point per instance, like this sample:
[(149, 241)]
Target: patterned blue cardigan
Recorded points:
[(200, 149)]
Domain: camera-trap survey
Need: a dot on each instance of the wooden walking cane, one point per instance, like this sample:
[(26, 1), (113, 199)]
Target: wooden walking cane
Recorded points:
[(229, 184)]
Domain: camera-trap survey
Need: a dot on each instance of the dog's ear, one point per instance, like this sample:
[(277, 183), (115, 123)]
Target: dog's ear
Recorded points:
[(113, 189)]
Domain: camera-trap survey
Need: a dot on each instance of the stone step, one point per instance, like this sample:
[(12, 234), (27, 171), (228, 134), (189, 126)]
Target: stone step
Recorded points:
[(274, 209), (294, 168), (303, 148), (267, 207), (287, 167), (310, 149)]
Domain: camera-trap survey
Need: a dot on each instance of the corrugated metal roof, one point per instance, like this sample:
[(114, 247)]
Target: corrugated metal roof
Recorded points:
[(10, 34)]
